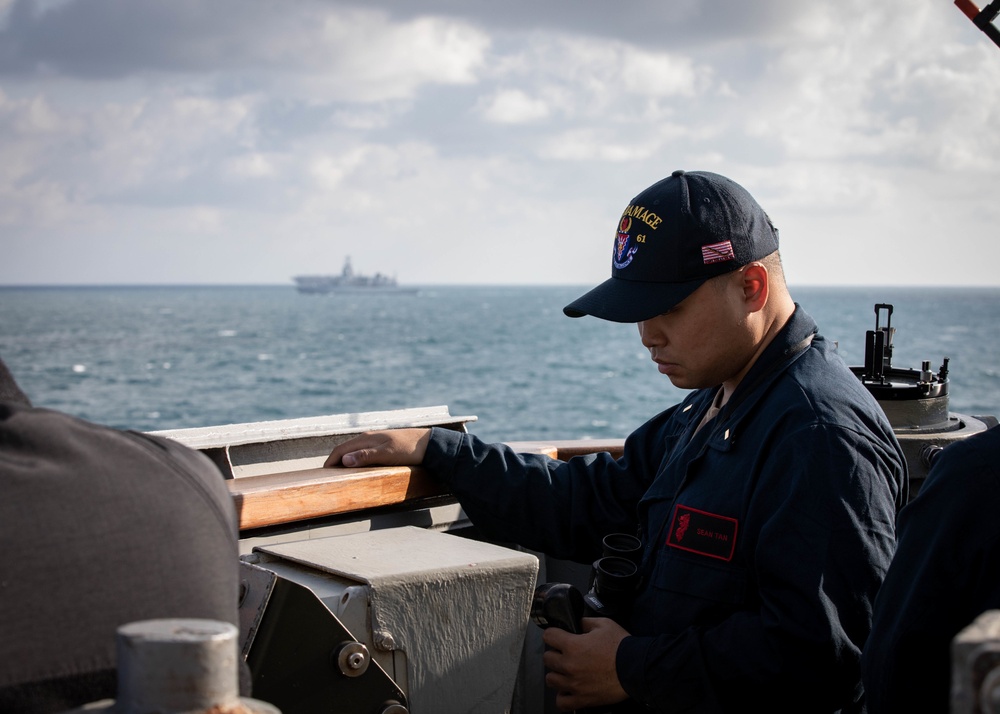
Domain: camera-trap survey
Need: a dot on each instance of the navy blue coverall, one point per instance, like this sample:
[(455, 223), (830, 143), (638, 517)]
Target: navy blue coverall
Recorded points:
[(946, 572), (766, 534)]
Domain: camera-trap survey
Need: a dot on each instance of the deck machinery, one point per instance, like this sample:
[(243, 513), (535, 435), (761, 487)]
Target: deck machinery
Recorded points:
[(368, 590)]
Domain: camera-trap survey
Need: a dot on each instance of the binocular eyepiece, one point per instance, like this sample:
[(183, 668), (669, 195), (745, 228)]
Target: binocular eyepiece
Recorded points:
[(614, 579)]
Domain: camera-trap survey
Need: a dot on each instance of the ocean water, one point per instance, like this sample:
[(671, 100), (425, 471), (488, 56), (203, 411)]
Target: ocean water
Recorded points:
[(152, 358)]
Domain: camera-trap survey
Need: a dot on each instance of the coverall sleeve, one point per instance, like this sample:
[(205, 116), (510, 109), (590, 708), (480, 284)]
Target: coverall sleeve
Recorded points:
[(563, 508)]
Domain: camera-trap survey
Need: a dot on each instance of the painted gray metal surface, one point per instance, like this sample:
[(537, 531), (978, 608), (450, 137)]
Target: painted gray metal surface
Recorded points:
[(285, 445), (975, 671), (445, 615), (178, 666)]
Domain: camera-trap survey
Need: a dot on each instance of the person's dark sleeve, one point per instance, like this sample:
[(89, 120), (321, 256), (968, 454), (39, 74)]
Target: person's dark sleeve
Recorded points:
[(820, 527), (943, 576), (563, 508)]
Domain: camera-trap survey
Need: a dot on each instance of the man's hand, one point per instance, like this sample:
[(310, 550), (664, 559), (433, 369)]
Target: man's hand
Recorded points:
[(582, 667), (394, 447)]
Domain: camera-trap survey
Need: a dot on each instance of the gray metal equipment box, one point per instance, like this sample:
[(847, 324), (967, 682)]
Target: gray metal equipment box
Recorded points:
[(439, 619)]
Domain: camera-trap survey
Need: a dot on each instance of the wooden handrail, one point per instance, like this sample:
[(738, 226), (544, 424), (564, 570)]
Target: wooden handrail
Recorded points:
[(281, 498)]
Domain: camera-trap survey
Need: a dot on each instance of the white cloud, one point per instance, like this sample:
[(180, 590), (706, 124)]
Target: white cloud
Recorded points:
[(331, 172), (361, 56), (487, 146), (595, 145), (594, 77), (253, 165), (898, 95), (513, 106), (660, 75)]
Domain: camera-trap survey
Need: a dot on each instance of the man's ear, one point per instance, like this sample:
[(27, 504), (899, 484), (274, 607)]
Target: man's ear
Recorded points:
[(755, 286)]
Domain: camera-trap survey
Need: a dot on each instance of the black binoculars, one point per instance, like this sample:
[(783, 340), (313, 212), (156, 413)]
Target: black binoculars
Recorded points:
[(614, 579)]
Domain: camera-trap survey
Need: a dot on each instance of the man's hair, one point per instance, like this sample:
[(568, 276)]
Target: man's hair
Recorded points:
[(9, 391), (774, 268), (771, 261)]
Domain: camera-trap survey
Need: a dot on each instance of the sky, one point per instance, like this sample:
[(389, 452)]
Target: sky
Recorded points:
[(477, 142)]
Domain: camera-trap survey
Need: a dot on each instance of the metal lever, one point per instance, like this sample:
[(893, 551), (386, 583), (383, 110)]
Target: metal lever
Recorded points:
[(983, 19)]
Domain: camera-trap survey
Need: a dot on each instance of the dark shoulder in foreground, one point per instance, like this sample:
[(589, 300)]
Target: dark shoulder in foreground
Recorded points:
[(101, 528)]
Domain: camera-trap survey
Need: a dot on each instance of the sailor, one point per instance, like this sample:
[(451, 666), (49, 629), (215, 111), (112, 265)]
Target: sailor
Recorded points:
[(100, 528), (943, 576), (765, 501)]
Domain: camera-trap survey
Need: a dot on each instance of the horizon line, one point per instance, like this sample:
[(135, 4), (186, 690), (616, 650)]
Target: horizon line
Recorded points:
[(290, 286)]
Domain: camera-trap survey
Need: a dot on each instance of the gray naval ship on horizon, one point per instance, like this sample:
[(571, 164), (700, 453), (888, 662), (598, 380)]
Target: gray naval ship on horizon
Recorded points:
[(348, 281)]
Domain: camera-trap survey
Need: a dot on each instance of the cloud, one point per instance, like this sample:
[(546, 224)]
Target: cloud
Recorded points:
[(513, 106), (680, 23), (351, 54), (107, 39), (471, 141), (883, 94)]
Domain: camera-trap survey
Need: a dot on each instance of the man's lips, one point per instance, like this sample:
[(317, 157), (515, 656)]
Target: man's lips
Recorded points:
[(665, 367)]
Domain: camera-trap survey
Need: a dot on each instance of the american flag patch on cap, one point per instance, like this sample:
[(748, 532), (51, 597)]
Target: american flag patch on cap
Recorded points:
[(717, 252)]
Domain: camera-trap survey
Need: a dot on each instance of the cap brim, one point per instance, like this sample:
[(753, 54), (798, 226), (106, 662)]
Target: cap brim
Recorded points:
[(621, 300)]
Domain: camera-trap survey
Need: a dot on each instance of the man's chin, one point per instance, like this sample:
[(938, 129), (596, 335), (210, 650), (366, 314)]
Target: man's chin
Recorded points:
[(680, 381), (688, 381)]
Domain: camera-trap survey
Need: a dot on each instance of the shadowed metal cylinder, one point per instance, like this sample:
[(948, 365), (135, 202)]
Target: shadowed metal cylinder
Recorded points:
[(180, 665)]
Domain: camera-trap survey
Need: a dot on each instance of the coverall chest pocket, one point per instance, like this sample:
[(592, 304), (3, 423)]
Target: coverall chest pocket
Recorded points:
[(690, 589)]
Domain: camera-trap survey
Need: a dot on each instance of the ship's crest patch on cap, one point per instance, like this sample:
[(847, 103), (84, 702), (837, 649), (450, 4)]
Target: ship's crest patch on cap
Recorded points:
[(624, 252)]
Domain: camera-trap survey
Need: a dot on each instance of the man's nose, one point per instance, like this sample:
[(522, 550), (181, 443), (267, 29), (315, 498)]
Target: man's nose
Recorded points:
[(650, 335)]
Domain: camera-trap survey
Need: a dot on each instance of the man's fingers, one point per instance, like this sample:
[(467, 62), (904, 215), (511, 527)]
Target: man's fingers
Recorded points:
[(354, 459), (555, 637), (351, 453), (334, 459), (551, 660), (565, 702), (381, 448), (581, 668)]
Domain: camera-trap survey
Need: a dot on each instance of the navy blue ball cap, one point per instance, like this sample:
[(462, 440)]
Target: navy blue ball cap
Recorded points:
[(671, 238)]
